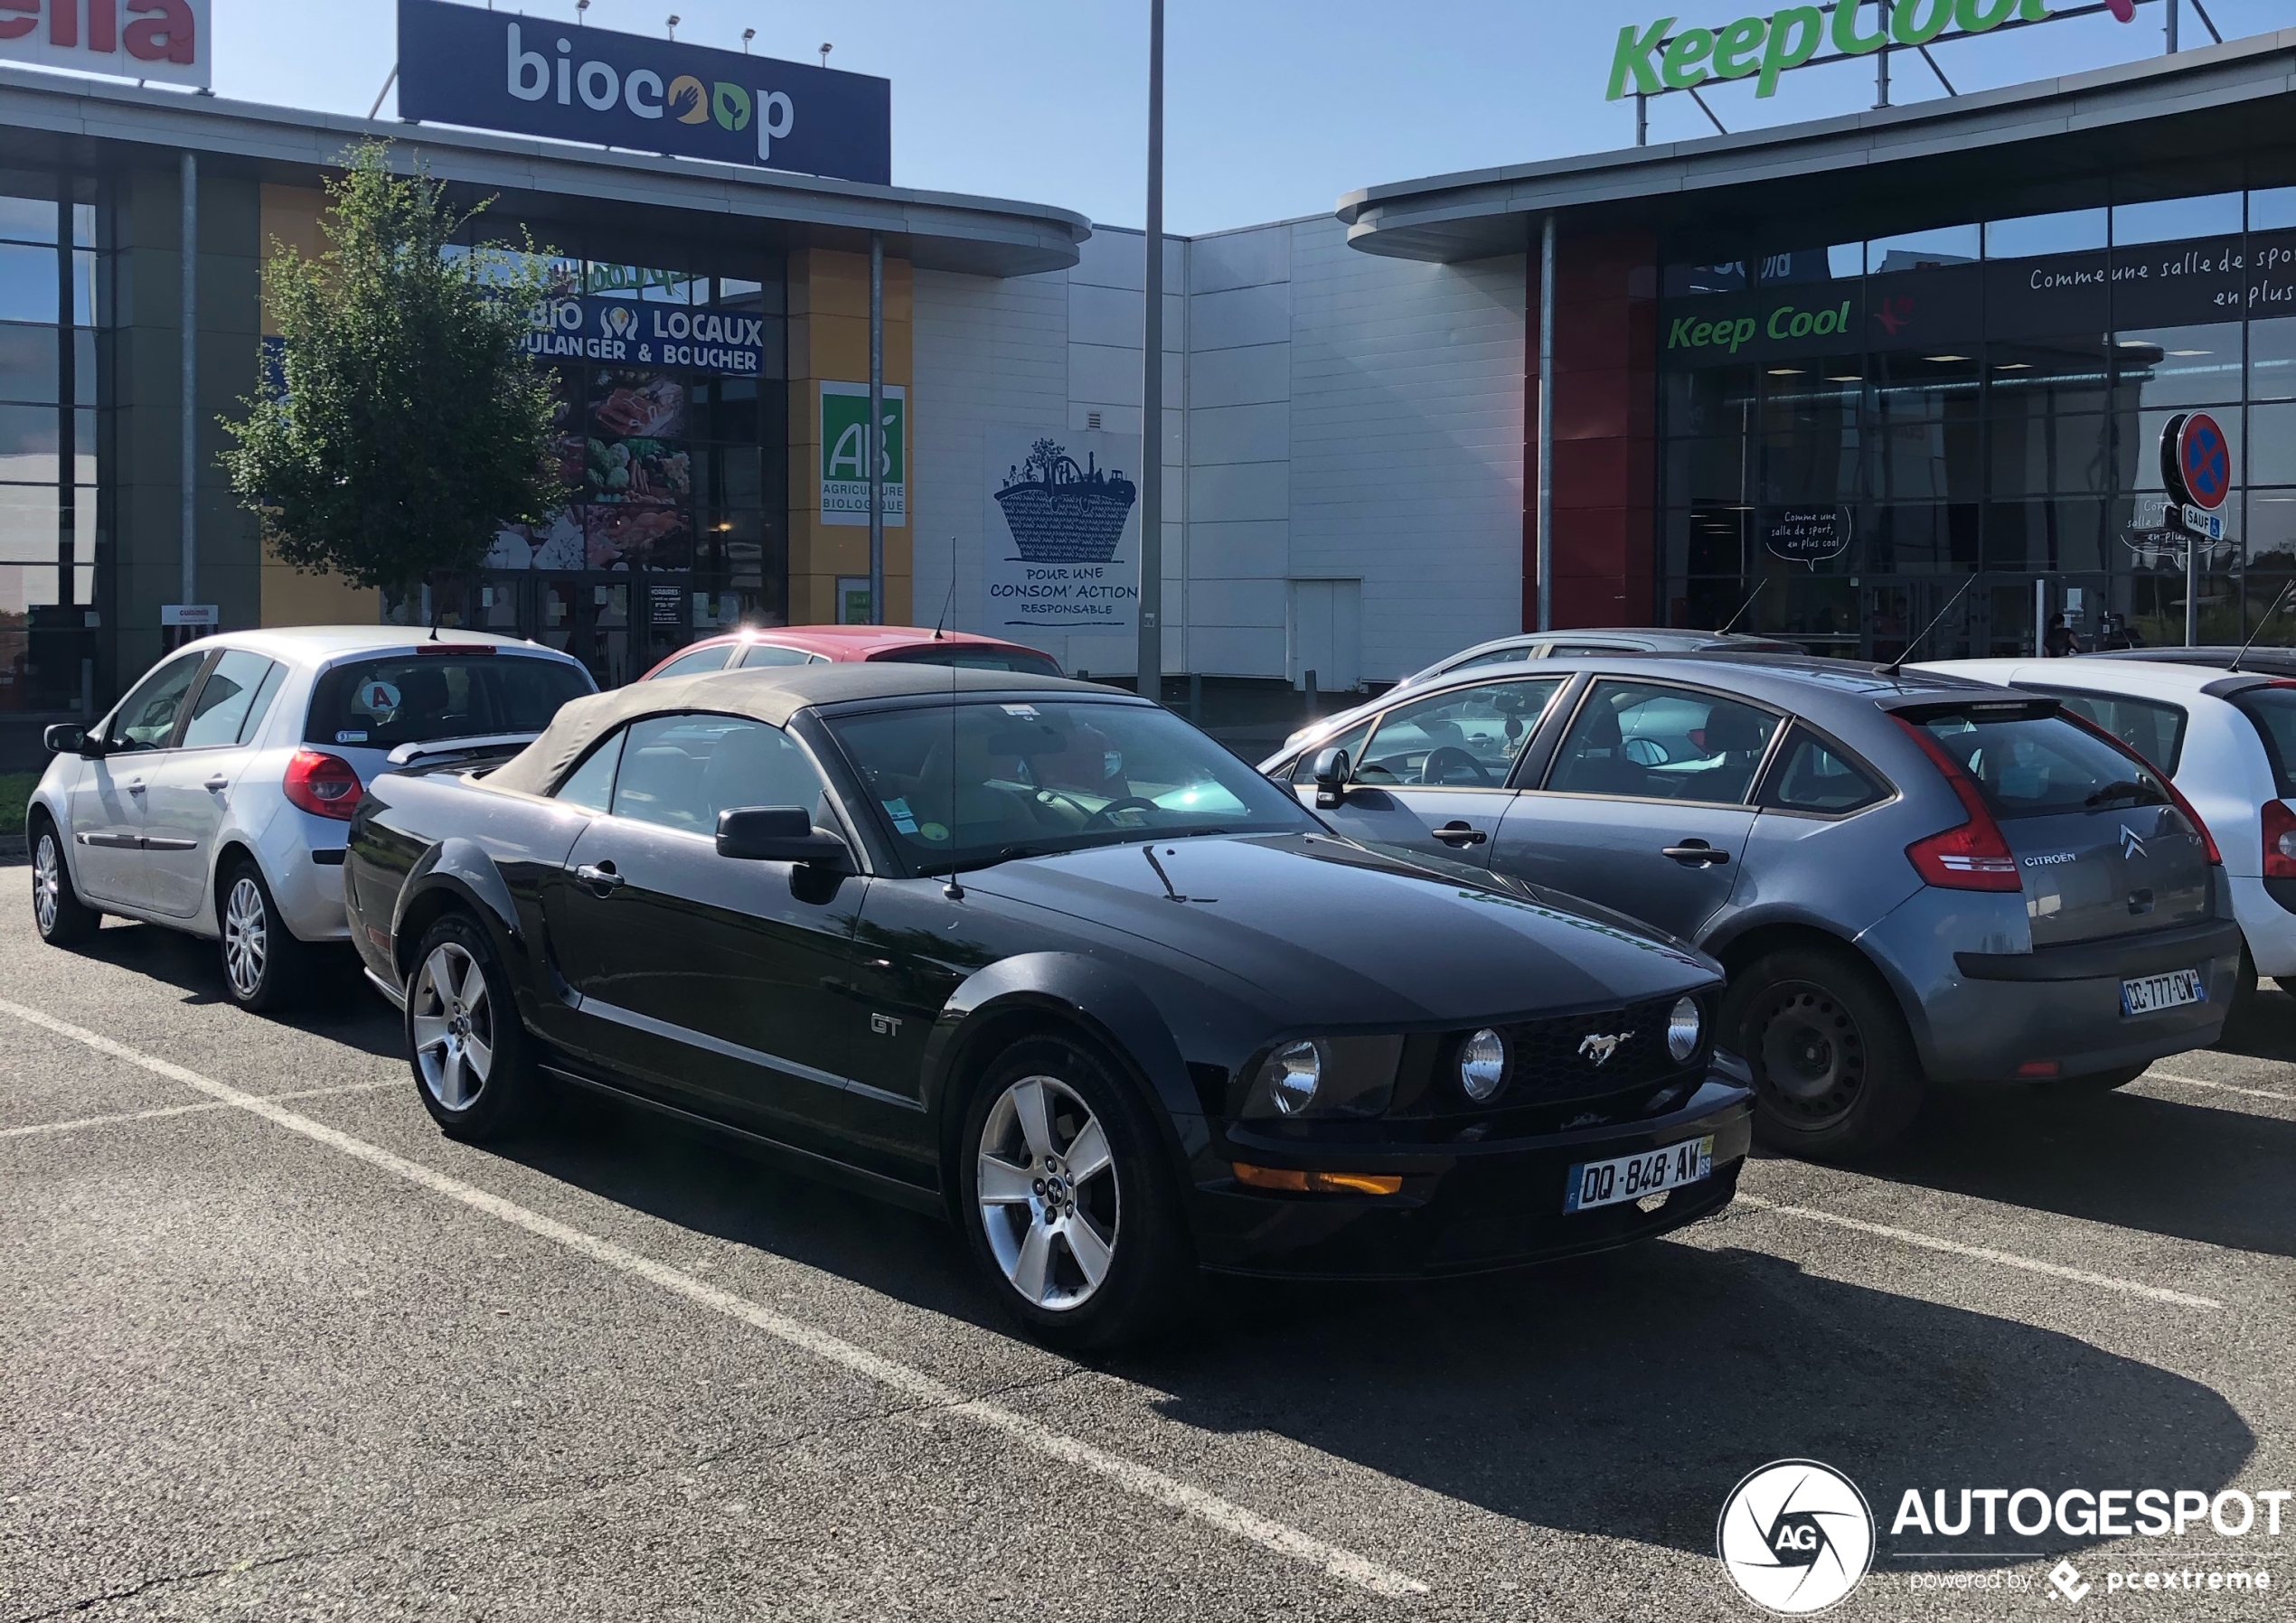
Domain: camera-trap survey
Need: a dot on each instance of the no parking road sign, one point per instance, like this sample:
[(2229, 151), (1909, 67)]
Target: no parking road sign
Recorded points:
[(2196, 462)]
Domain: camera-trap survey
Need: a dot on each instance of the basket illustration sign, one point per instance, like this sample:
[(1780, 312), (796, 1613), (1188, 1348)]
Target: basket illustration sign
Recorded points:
[(1061, 548)]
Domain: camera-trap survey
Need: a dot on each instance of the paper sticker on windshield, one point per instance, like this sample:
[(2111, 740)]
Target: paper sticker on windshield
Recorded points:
[(379, 696), (1025, 712), (897, 809), (352, 736)]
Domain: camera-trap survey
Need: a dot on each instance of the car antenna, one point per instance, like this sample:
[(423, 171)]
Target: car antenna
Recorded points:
[(1898, 664), (2259, 632), (943, 620), (1743, 607)]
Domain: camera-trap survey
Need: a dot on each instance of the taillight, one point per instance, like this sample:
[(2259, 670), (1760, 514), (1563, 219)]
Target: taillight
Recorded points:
[(326, 785), (2207, 840), (2280, 840), (1976, 855)]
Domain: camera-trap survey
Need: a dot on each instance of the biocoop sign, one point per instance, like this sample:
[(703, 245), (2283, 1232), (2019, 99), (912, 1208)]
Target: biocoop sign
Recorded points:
[(535, 76)]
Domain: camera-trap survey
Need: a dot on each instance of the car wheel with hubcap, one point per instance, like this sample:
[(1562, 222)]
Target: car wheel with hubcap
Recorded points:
[(1834, 1069), (264, 966), (1068, 1207), (463, 1036), (63, 918)]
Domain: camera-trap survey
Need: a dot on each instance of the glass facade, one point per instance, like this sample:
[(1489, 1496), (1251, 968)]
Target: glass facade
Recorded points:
[(1850, 435), (51, 287), (677, 464)]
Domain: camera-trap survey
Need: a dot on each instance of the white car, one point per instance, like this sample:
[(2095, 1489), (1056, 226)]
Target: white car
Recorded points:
[(2228, 740), (215, 797)]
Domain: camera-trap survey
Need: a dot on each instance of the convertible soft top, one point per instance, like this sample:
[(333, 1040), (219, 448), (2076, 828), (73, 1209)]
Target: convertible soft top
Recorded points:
[(772, 694)]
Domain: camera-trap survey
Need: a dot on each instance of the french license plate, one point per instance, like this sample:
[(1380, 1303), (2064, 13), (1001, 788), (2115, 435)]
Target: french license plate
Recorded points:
[(2150, 994), (1631, 1177)]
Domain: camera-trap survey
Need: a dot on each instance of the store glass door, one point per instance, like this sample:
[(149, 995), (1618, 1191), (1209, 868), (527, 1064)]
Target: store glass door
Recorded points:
[(1897, 609)]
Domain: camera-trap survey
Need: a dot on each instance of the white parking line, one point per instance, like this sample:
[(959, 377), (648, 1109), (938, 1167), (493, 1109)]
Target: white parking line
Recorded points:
[(1204, 1506), (1982, 1253), (76, 1122), (2221, 1087)]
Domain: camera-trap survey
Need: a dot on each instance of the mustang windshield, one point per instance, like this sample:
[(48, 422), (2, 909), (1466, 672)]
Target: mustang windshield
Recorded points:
[(971, 784)]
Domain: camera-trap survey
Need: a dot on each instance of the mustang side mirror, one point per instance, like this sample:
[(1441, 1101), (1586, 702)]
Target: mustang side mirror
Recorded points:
[(778, 834), (1330, 778), (69, 739)]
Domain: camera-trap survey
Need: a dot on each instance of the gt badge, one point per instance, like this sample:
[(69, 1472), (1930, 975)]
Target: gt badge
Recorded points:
[(885, 1025), (1600, 1048)]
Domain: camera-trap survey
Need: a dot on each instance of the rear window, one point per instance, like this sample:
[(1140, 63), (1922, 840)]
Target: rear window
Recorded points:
[(2043, 766), (383, 703), (2153, 729), (972, 656), (2273, 710)]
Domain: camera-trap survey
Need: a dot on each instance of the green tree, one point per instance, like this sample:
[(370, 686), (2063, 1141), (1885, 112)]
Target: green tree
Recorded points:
[(412, 425)]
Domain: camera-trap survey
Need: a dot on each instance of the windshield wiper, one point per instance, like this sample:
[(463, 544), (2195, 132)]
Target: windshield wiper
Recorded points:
[(2126, 793)]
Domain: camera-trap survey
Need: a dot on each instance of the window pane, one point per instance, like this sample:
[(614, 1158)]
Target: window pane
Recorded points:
[(682, 771), (28, 363), (146, 718), (2040, 766), (700, 660), (769, 654), (2153, 729), (2174, 216), (591, 785), (384, 703), (2271, 208), (1351, 741), (1460, 739), (1922, 250), (1644, 741), (28, 445), (264, 695), (2178, 366), (224, 699), (2071, 231), (27, 220), (1814, 778), (27, 283)]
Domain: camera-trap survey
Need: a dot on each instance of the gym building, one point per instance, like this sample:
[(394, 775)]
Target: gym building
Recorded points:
[(1818, 378)]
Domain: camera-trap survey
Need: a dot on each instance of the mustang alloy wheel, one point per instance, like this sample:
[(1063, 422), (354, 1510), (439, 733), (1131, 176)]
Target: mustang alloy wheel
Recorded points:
[(452, 1022), (1046, 1185)]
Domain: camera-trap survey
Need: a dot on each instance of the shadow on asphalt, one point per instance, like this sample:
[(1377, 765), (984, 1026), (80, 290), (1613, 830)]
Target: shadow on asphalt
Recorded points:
[(340, 1006), (2183, 1167)]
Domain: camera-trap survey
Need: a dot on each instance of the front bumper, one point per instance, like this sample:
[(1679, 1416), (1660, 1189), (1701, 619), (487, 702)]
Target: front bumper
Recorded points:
[(1465, 1208)]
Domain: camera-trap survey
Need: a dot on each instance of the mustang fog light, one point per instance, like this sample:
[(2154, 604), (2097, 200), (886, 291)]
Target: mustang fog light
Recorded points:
[(1293, 1072), (1482, 1065), (1683, 1028), (1318, 1183)]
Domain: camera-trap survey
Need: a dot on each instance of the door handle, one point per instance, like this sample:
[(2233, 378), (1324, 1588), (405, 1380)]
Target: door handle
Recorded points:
[(1460, 834), (1695, 850), (219, 782), (600, 877), (134, 785)]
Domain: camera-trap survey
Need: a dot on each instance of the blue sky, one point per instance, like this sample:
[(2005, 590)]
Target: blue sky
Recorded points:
[(1275, 108)]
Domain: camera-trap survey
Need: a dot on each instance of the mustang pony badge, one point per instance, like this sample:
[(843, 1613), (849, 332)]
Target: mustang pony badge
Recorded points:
[(1600, 1048)]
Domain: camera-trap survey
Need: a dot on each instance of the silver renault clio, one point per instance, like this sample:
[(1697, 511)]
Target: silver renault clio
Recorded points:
[(1911, 878), (214, 798)]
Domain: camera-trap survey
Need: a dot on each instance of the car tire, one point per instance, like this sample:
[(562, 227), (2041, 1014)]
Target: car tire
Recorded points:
[(62, 919), (2242, 1013), (1835, 1074), (465, 1040), (265, 967), (1040, 1230)]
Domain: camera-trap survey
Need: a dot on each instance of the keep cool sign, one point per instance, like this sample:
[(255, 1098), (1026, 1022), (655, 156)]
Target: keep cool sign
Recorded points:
[(495, 69)]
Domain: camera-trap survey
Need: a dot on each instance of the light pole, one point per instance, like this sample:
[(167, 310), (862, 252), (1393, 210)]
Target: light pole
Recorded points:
[(826, 49), (673, 25), (748, 34), (1151, 680)]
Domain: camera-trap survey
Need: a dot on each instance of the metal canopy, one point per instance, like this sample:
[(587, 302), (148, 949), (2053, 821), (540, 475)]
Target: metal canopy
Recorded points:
[(1895, 169), (54, 116)]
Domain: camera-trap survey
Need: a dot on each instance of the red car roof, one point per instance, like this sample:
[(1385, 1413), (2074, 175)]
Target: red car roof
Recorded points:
[(848, 643)]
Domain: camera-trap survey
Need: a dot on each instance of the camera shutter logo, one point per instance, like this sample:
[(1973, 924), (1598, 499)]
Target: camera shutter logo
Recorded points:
[(1795, 1536)]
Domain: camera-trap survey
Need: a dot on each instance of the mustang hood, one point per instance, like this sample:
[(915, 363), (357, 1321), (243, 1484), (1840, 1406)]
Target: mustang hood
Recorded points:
[(1353, 937)]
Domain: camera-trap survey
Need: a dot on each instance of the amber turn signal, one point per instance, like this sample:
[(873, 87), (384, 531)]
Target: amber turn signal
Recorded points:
[(1318, 1183)]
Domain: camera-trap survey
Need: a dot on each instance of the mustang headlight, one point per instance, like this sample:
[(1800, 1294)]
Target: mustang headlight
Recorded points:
[(1325, 1076), (1482, 1065), (1684, 1026)]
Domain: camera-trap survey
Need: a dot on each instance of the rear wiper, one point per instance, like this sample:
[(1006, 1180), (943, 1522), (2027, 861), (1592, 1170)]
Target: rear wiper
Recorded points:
[(2126, 793)]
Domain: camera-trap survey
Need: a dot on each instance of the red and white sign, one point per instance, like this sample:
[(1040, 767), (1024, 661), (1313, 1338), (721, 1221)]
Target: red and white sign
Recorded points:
[(165, 40)]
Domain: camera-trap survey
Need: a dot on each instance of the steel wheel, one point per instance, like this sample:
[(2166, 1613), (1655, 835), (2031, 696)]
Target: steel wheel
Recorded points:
[(453, 1023), (1813, 1056), (1047, 1189), (246, 936), (47, 883)]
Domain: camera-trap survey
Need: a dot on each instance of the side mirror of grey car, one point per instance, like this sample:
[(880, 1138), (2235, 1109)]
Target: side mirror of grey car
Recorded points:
[(69, 738), (778, 834), (1330, 777)]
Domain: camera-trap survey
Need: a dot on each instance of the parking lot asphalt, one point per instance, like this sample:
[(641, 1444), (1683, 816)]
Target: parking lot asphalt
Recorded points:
[(270, 1347)]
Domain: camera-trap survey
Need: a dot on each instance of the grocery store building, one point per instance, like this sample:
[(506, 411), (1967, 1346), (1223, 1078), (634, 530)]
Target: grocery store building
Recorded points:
[(1855, 364)]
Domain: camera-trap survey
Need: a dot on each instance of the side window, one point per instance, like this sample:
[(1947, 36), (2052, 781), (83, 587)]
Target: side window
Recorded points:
[(771, 654), (699, 661), (261, 708), (682, 771), (1811, 777), (219, 713), (1497, 656), (1351, 741), (590, 785), (1650, 742), (1468, 738), (2153, 729), (147, 717), (1569, 650)]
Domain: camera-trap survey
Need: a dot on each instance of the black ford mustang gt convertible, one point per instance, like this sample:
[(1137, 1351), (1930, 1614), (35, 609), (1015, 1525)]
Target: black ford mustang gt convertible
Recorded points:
[(1042, 956)]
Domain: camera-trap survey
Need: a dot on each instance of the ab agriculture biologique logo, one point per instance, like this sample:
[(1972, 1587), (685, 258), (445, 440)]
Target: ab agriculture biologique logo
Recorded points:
[(1795, 1536)]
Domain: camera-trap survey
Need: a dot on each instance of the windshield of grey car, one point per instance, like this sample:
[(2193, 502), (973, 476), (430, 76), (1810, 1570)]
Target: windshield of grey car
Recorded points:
[(970, 783)]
